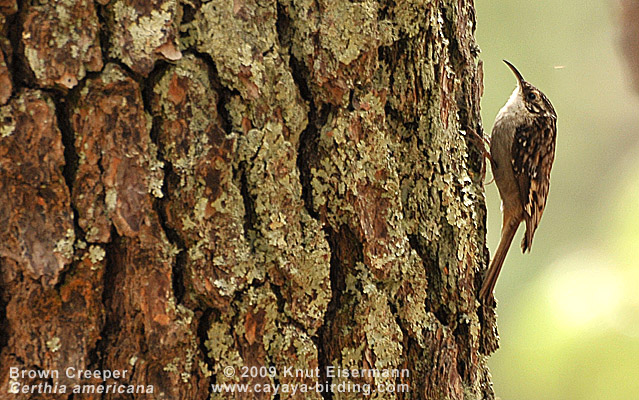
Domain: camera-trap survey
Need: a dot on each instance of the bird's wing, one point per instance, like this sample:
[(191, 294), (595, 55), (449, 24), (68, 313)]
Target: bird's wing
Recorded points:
[(533, 152)]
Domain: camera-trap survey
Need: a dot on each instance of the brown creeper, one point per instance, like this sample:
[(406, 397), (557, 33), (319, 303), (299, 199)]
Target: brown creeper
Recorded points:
[(522, 149)]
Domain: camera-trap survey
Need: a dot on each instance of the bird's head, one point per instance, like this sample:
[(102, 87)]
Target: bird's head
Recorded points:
[(532, 98)]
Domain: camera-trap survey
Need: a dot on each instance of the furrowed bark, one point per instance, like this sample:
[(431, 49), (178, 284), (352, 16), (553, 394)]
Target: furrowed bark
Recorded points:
[(191, 187)]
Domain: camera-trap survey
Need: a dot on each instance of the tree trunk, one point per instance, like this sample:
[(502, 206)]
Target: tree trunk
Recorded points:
[(255, 192)]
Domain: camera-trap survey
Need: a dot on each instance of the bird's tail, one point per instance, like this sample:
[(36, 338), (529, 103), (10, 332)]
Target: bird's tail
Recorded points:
[(507, 235)]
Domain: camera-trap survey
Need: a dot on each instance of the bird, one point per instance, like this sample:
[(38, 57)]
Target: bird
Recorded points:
[(522, 152)]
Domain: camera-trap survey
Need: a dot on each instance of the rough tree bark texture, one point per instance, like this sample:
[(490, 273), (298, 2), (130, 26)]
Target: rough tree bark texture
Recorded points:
[(189, 186)]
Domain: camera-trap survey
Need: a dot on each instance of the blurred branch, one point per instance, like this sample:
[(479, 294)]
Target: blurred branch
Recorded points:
[(629, 22)]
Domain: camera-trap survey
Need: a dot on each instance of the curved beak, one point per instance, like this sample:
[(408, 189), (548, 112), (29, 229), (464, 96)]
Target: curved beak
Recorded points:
[(520, 78)]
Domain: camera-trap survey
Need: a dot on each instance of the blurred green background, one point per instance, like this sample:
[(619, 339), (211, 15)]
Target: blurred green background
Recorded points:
[(569, 310)]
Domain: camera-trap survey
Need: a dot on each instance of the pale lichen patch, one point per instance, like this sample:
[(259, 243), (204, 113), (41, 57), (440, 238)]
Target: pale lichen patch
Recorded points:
[(96, 254), (64, 246)]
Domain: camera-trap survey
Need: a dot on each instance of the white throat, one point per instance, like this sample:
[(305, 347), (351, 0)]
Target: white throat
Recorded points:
[(514, 107)]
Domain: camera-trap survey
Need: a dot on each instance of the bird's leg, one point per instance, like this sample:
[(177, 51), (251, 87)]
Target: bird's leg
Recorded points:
[(483, 143)]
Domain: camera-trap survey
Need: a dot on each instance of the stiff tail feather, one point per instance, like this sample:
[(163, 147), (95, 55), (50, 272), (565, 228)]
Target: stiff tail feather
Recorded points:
[(507, 235)]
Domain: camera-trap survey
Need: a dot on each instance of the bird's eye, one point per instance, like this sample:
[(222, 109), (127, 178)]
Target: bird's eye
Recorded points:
[(532, 96)]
